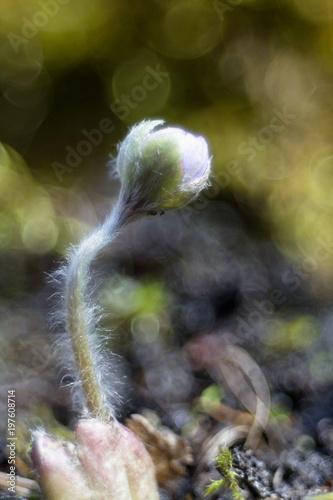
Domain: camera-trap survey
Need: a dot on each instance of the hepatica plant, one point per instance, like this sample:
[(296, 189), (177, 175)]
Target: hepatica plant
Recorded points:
[(160, 168)]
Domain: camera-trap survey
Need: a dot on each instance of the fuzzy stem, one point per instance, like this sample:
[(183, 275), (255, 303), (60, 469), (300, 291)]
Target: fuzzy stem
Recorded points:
[(80, 326)]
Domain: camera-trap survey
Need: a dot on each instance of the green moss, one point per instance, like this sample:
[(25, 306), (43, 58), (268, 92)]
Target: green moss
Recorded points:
[(230, 477)]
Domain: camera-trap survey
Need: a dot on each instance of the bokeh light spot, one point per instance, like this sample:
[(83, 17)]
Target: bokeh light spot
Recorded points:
[(321, 367), (297, 334), (188, 30), (320, 11), (305, 443), (321, 182), (145, 328), (140, 87), (39, 235)]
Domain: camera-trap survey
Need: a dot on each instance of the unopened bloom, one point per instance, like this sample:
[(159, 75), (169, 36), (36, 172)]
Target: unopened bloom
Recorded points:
[(161, 168), (108, 462)]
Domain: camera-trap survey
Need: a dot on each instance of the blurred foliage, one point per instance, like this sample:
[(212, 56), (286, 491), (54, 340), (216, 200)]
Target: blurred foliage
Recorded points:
[(254, 77), (211, 397), (252, 257)]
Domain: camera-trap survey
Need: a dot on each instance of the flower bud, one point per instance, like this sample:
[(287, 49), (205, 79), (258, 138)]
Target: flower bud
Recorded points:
[(161, 168), (108, 462)]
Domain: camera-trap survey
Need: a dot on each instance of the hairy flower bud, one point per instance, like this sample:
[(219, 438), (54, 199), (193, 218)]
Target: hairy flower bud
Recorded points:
[(161, 168)]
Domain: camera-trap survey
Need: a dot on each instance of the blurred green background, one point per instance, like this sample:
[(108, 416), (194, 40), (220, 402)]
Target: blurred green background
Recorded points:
[(254, 77), (252, 259)]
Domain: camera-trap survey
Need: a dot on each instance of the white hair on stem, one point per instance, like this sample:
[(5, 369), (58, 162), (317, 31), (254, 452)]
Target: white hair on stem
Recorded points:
[(80, 346)]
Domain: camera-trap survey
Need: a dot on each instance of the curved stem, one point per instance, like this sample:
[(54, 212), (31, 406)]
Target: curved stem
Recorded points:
[(80, 318)]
